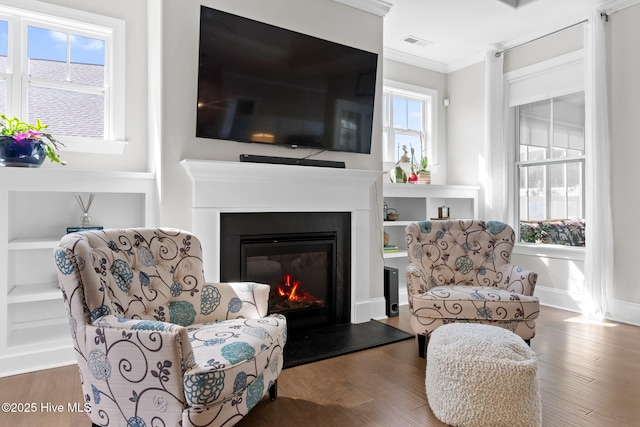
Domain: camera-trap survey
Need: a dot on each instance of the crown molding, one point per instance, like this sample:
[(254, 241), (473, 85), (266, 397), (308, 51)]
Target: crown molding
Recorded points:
[(414, 60), (376, 7), (616, 5), (465, 62)]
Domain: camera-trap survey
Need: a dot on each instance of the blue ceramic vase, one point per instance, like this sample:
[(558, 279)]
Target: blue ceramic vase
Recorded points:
[(27, 153)]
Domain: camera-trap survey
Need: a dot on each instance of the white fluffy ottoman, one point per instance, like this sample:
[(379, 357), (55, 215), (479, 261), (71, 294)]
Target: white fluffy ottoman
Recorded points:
[(481, 375)]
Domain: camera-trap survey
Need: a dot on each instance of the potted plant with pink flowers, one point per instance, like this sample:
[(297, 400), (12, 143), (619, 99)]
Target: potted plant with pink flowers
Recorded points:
[(25, 145)]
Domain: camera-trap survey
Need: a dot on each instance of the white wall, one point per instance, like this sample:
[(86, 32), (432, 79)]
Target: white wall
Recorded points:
[(545, 48), (623, 70), (465, 127)]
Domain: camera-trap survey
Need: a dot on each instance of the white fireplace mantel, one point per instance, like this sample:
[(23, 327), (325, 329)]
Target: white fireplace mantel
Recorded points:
[(222, 186)]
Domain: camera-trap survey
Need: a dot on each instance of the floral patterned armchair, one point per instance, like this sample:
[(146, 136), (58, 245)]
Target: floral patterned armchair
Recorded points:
[(155, 343), (460, 271)]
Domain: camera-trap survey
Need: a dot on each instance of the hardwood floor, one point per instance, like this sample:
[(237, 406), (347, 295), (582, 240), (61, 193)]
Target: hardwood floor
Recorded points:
[(589, 376)]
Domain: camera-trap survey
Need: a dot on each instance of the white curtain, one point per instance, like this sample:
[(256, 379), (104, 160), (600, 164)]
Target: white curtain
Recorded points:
[(496, 178), (598, 263)]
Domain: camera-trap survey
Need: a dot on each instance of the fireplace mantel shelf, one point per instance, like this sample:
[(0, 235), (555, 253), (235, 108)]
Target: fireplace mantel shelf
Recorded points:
[(264, 187), (224, 171)]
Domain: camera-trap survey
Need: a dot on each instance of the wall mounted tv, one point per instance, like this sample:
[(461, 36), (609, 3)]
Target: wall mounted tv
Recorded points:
[(261, 83)]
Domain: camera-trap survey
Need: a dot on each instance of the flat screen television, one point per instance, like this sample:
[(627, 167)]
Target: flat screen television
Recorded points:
[(261, 83)]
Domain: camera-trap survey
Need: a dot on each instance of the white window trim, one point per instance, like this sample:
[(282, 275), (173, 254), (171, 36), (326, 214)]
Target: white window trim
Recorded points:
[(538, 73), (74, 20), (411, 90), (573, 253)]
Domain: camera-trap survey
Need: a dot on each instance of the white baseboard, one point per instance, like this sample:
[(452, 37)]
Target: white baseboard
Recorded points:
[(621, 311), (561, 299), (625, 312), (379, 305), (14, 364), (378, 308)]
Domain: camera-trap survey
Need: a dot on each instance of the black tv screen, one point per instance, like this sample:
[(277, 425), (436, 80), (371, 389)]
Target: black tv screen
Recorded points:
[(261, 83)]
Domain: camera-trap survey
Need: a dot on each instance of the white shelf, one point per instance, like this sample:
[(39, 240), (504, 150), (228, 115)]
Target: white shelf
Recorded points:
[(52, 332), (34, 243), (36, 292), (399, 254), (397, 223)]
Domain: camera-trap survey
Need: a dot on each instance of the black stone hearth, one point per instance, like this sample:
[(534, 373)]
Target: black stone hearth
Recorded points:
[(337, 340)]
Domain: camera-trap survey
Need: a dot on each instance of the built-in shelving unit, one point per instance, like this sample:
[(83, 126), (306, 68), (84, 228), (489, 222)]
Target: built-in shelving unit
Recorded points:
[(417, 202), (37, 205)]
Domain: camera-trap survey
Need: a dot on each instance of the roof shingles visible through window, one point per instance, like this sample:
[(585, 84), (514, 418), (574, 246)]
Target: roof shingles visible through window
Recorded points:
[(68, 113)]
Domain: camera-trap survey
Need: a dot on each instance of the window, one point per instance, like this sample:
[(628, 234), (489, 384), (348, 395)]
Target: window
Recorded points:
[(408, 122), (65, 82), (550, 170), (67, 72)]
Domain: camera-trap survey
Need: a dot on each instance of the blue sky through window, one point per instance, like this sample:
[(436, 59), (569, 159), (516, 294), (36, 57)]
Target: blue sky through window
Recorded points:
[(4, 38), (52, 45)]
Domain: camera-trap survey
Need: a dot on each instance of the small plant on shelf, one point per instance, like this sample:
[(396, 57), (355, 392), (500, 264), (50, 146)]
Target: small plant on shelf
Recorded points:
[(16, 135)]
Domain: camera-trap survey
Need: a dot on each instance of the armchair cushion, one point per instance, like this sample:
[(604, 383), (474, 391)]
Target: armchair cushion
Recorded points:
[(227, 355), (475, 302)]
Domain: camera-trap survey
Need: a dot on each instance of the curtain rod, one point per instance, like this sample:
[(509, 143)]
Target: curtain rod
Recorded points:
[(602, 15)]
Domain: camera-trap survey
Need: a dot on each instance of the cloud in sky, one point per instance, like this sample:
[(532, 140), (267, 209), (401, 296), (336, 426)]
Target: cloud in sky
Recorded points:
[(52, 45)]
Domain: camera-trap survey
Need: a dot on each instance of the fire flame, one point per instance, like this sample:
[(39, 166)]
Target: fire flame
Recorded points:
[(290, 290)]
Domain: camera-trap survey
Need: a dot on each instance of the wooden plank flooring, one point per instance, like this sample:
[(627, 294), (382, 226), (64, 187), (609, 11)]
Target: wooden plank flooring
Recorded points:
[(589, 376)]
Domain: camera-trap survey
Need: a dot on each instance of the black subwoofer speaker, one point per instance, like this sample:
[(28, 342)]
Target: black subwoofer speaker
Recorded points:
[(391, 291)]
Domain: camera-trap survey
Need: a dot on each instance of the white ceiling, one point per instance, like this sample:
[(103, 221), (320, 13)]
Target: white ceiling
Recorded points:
[(460, 31)]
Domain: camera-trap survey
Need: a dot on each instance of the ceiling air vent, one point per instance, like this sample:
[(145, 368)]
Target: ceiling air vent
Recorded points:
[(416, 41), (515, 3)]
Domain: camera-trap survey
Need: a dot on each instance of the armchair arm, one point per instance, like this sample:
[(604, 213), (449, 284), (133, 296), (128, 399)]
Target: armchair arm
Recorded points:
[(241, 300), (133, 364), (416, 280), (519, 280), (169, 334)]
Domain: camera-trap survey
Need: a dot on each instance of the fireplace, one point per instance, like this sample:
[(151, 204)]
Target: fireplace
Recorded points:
[(303, 256), (224, 188)]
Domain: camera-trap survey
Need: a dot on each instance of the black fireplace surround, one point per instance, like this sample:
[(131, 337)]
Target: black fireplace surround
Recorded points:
[(265, 246)]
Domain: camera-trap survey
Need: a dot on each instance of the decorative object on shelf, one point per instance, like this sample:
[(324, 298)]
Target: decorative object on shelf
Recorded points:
[(384, 211), (86, 219), (77, 229), (424, 176), (392, 214), (405, 155), (388, 247), (25, 145), (28, 154), (443, 212), (413, 177), (398, 175)]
